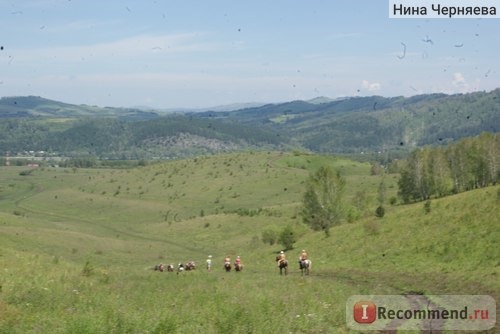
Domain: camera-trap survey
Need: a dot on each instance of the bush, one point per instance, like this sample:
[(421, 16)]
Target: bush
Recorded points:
[(353, 214), (269, 236), (88, 269), (380, 211), (427, 206), (287, 237)]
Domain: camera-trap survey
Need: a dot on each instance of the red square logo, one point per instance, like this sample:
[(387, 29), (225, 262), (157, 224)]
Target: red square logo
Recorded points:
[(365, 312)]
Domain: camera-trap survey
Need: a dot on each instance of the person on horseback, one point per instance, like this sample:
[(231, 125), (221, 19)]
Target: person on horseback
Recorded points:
[(237, 263), (303, 255), (281, 258), (304, 262), (227, 263)]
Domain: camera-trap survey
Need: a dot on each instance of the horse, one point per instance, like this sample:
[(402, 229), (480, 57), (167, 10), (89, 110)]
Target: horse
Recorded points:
[(227, 266), (282, 264), (159, 267), (190, 265), (305, 266), (170, 268), (180, 268), (238, 266)]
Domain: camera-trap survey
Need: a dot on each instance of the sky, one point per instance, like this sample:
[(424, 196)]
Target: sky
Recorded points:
[(197, 54)]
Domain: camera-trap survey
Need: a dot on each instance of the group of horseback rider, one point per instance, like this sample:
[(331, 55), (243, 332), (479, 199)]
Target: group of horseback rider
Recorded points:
[(281, 258), (238, 266)]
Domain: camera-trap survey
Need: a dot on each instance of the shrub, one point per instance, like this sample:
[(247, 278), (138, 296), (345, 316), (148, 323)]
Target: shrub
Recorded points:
[(380, 211), (88, 269), (352, 215), (270, 236), (427, 206), (287, 237)]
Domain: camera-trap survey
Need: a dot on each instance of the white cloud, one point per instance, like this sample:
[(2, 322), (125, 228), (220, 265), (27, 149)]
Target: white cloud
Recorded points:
[(371, 86), (459, 80)]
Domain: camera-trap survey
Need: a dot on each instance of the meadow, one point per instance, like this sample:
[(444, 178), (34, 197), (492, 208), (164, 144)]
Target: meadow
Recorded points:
[(78, 247)]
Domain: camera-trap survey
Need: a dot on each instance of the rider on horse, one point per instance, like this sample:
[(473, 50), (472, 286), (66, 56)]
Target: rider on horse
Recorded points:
[(227, 263), (237, 263), (304, 262), (281, 258), (303, 255)]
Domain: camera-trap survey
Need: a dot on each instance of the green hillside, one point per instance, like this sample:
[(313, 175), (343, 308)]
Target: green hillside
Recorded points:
[(111, 138), (36, 106), (77, 247), (376, 123), (351, 125)]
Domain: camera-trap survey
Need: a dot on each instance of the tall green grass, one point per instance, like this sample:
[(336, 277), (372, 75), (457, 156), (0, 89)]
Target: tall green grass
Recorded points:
[(77, 247)]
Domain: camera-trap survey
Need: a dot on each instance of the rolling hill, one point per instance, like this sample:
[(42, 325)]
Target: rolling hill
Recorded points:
[(376, 123), (78, 246), (35, 106), (348, 125)]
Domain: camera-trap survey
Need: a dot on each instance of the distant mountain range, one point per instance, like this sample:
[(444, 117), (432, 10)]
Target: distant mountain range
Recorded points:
[(346, 125)]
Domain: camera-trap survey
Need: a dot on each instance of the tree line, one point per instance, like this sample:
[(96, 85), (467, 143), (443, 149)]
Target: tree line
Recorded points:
[(439, 171)]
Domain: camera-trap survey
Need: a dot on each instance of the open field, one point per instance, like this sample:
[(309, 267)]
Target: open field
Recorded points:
[(77, 247)]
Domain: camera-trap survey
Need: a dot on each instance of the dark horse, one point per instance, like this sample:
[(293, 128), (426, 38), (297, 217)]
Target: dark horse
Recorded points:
[(190, 265), (305, 266), (227, 266), (283, 265)]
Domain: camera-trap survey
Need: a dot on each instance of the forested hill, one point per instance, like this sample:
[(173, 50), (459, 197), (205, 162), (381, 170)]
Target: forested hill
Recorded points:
[(35, 106), (349, 125), (375, 123)]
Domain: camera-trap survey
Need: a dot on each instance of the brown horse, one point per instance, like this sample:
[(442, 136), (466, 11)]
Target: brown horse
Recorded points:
[(282, 264), (159, 267), (190, 265), (227, 266), (238, 266)]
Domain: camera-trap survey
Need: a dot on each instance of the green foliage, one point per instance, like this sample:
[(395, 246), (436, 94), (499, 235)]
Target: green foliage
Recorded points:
[(270, 236), (83, 139), (87, 269), (322, 201), (427, 206), (352, 214), (380, 211), (381, 192), (468, 164), (394, 125), (287, 237), (26, 172)]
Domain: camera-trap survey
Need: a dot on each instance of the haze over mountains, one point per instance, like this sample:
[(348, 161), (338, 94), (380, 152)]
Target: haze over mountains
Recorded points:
[(347, 125)]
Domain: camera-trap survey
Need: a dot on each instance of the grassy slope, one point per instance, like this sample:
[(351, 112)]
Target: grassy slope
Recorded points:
[(121, 223)]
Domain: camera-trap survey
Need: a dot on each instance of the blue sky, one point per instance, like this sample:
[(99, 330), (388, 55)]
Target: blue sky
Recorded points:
[(168, 54)]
